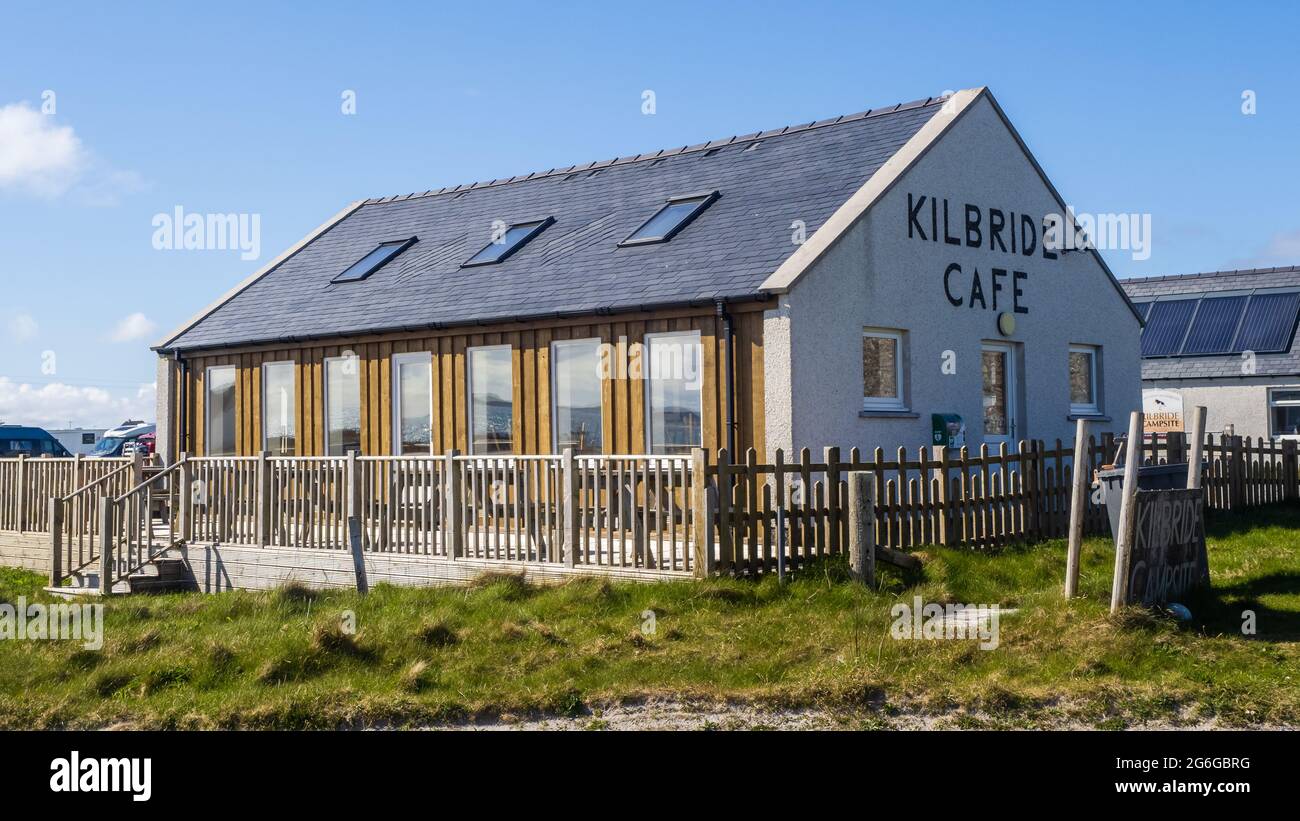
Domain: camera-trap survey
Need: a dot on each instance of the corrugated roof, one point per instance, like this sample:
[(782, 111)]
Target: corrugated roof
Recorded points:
[(767, 181), (1226, 366)]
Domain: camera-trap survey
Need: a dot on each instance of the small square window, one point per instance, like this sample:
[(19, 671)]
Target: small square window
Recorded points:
[(1083, 380), (514, 238), (675, 215), (373, 261), (882, 371)]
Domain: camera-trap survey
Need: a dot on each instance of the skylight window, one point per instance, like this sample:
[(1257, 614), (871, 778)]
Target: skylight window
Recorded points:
[(374, 260), (515, 237), (672, 218)]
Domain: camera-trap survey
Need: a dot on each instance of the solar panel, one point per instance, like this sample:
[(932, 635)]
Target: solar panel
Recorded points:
[(1269, 324), (1214, 326), (1166, 326)]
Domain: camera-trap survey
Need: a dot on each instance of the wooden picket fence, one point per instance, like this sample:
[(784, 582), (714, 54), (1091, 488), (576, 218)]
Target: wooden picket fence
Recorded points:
[(27, 484), (981, 500)]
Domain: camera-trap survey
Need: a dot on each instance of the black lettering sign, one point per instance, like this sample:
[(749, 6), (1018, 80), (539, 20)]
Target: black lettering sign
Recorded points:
[(1168, 559)]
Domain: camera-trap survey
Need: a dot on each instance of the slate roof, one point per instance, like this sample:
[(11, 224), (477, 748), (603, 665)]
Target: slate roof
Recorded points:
[(1217, 367), (767, 180)]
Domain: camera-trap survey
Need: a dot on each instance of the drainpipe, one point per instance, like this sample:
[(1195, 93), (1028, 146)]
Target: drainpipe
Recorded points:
[(182, 404), (730, 387)]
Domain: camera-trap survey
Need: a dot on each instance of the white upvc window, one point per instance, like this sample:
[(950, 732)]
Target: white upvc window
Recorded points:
[(882, 370), (576, 400), (1284, 413), (342, 405), (279, 408), (219, 407), (673, 369), (1084, 400), (413, 404), (491, 399)]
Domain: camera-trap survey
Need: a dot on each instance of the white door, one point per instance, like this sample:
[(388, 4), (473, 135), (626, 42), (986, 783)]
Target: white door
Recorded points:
[(997, 364)]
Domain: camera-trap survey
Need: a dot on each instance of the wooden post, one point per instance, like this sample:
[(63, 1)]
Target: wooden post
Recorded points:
[(354, 485), (943, 516), (832, 456), (1197, 439), (184, 498), (137, 467), (78, 471), (1127, 512), (56, 541), (1238, 463), (105, 546), (264, 499), (358, 555), (701, 513), (1078, 507), (453, 535), (726, 543), (23, 471), (862, 528), (779, 476), (572, 498), (1289, 469)]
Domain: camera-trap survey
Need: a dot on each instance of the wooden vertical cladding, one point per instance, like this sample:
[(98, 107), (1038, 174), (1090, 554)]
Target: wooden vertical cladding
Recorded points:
[(623, 397)]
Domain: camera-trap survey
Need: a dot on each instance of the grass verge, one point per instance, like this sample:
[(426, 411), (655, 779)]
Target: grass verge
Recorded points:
[(290, 658)]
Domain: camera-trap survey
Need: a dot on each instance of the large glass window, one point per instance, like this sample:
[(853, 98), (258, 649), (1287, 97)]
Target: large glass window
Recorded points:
[(491, 400), (219, 406), (882, 370), (673, 396), (575, 395), (412, 404), (278, 423), (342, 405), (1083, 380)]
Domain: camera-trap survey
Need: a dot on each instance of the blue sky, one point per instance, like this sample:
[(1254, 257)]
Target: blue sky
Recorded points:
[(236, 107)]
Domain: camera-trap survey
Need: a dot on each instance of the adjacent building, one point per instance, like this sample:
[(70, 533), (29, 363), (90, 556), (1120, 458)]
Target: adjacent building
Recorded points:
[(1225, 340), (861, 281)]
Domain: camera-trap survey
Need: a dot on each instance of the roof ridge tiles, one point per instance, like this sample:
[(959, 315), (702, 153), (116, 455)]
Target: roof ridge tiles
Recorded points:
[(667, 152), (1278, 269)]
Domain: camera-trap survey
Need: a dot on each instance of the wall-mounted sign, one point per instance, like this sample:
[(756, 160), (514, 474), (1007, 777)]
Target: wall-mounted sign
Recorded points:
[(1162, 411), (1167, 559), (948, 430)]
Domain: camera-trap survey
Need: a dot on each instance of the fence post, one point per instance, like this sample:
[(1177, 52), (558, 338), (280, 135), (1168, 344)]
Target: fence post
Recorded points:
[(726, 544), (453, 535), (264, 499), (22, 493), (832, 456), (943, 517), (1078, 507), (1127, 512), (1237, 489), (78, 472), (1289, 468), (701, 514), (56, 541), (778, 474), (862, 528), (572, 536), (137, 468), (185, 499), (1198, 444), (105, 546)]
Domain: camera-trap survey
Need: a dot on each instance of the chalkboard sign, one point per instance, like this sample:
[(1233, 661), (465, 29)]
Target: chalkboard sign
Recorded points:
[(1168, 558)]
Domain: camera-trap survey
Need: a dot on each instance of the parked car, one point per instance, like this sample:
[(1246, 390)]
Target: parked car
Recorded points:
[(116, 440), (17, 440)]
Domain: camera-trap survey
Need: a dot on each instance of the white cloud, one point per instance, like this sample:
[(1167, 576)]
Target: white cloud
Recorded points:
[(37, 156), (56, 404), (136, 326), (23, 327), (40, 158)]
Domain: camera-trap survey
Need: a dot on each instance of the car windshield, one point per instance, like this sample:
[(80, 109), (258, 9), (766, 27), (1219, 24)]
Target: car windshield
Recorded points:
[(108, 444)]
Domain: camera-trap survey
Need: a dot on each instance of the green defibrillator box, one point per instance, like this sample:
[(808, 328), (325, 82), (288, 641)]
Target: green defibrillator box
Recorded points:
[(948, 430)]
